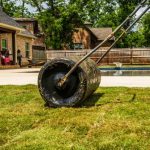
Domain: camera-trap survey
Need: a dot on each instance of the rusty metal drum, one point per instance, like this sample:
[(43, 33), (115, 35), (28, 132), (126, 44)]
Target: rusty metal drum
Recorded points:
[(79, 86)]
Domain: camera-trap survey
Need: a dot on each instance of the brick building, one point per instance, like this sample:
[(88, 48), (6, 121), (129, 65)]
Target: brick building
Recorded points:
[(88, 37), (25, 34), (20, 33), (31, 25), (13, 37)]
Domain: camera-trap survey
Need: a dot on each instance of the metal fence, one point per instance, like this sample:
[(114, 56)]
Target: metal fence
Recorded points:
[(123, 55)]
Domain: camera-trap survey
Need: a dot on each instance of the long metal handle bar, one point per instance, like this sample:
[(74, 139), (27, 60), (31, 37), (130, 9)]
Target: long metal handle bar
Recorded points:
[(62, 81), (130, 16), (124, 33)]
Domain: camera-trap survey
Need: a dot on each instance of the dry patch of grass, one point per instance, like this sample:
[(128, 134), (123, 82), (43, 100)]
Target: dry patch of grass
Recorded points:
[(113, 118)]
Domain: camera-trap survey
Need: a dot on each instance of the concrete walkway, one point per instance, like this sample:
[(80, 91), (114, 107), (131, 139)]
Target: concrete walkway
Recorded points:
[(19, 76), (125, 81), (29, 76)]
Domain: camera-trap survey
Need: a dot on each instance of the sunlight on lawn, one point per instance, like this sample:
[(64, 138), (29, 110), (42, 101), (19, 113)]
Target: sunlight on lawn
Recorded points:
[(113, 118)]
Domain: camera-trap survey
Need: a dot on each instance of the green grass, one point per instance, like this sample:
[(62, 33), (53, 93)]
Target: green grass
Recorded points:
[(113, 118)]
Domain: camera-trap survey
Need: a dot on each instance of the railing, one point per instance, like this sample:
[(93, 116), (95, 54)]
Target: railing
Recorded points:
[(123, 55)]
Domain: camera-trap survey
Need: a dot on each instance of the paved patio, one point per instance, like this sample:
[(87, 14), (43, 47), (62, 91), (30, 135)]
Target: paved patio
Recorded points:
[(29, 76), (19, 76)]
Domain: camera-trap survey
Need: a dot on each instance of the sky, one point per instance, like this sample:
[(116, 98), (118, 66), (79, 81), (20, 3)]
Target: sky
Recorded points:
[(30, 8)]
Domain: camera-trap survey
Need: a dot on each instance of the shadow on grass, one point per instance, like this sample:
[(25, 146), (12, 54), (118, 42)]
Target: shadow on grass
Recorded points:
[(92, 100), (133, 98)]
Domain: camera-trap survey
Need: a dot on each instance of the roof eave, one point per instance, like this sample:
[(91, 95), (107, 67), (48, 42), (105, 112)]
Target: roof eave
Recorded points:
[(25, 19), (25, 35), (11, 27), (90, 31)]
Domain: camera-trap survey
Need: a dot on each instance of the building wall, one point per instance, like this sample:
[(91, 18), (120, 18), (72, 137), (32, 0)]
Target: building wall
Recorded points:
[(87, 39), (8, 37), (39, 41), (28, 25), (82, 36), (21, 41), (20, 44)]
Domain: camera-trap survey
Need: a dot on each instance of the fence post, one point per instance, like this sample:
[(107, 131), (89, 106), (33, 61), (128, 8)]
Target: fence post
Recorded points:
[(131, 55), (65, 53), (108, 58)]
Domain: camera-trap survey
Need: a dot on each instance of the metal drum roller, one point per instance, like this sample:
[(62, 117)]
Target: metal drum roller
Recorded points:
[(79, 85), (69, 81)]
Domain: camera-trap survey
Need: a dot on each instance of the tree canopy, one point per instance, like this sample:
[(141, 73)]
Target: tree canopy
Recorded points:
[(60, 18), (14, 10), (146, 29)]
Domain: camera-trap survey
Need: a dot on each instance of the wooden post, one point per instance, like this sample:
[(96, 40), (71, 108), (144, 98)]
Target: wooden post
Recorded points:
[(131, 49), (108, 57), (14, 47)]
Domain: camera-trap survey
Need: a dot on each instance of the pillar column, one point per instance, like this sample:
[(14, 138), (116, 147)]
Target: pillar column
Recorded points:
[(14, 47)]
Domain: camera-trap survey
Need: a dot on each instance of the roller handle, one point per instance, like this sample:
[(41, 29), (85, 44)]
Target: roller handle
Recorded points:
[(62, 81)]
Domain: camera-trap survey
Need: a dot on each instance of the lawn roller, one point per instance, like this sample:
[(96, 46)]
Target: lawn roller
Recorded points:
[(67, 82)]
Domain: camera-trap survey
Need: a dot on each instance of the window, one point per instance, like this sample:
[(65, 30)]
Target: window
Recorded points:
[(27, 49), (78, 46), (4, 44)]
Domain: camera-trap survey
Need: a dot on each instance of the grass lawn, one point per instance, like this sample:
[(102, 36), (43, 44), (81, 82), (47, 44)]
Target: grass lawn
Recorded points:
[(113, 118)]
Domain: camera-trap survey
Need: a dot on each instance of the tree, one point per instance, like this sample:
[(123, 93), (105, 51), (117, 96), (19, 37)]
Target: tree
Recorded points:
[(13, 10), (58, 21), (59, 18), (134, 38), (101, 13), (8, 7), (146, 29), (125, 8)]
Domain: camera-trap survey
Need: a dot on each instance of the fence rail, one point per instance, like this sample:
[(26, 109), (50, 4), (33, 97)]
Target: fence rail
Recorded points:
[(123, 55)]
